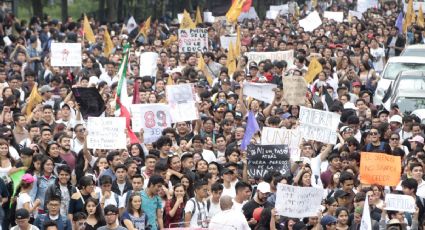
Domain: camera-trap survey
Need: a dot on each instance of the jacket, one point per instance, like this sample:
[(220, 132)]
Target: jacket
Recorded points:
[(62, 223), (400, 42), (55, 190)]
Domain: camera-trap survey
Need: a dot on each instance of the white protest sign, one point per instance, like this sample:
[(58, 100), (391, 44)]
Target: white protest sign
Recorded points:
[(180, 93), (184, 112), (148, 66), (288, 56), (356, 14), (319, 125), (336, 16), (311, 22), (272, 14), (294, 90), (402, 203), (152, 118), (106, 133), (65, 54), (416, 5), (225, 41), (282, 9), (290, 137), (298, 202), (363, 5), (180, 17), (193, 40), (260, 91), (208, 17), (251, 14), (366, 222)]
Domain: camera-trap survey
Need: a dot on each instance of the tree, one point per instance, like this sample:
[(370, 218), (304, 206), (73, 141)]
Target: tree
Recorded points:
[(37, 8), (64, 10)]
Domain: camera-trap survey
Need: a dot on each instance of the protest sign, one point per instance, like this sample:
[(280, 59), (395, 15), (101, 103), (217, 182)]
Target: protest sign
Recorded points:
[(225, 41), (152, 118), (363, 5), (336, 16), (272, 14), (290, 137), (186, 111), (193, 40), (65, 54), (180, 93), (319, 125), (311, 22), (265, 158), (251, 14), (180, 17), (288, 56), (298, 202), (106, 133), (356, 14), (148, 66), (260, 91), (402, 203), (294, 90), (208, 17), (282, 9), (380, 168)]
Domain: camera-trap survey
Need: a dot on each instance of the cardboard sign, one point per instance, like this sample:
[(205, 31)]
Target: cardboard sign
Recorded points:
[(251, 14), (193, 40), (290, 137), (294, 90), (264, 158), (225, 41), (152, 118), (311, 22), (336, 16), (380, 168), (184, 112), (260, 91), (288, 56), (282, 9), (319, 125), (357, 14), (402, 203), (106, 133), (180, 93), (363, 5), (272, 14), (298, 202), (66, 54), (148, 64), (208, 17)]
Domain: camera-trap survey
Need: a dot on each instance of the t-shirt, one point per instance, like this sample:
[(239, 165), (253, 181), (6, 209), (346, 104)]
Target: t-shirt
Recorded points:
[(199, 215), (150, 205), (65, 199), (22, 199), (139, 223), (107, 228)]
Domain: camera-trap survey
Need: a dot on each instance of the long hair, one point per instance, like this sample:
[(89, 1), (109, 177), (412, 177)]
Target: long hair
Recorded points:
[(185, 198), (130, 208), (265, 218), (98, 214)]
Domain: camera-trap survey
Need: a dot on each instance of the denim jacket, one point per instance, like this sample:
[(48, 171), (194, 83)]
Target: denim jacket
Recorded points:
[(42, 184)]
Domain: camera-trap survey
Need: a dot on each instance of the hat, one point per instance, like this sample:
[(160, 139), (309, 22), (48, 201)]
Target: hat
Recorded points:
[(395, 221), (328, 219), (45, 89), (299, 226), (66, 105), (202, 84), (227, 171), (356, 83), (238, 115), (349, 105), (396, 118), (27, 178), (340, 193), (383, 111), (417, 138), (226, 81), (263, 187), (253, 66), (146, 79), (22, 213)]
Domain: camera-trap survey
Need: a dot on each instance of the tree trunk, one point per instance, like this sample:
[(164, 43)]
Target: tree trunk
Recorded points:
[(101, 16), (64, 10), (37, 8), (111, 8)]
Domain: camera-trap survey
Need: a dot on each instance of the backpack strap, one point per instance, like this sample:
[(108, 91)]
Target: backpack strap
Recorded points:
[(208, 205), (194, 205)]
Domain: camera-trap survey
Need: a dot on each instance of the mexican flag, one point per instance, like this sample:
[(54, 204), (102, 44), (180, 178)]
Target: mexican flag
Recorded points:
[(123, 102)]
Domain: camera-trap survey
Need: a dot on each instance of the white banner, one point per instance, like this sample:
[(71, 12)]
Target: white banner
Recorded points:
[(288, 56), (251, 14), (106, 133), (282, 9), (336, 16), (319, 125), (65, 54), (152, 118), (311, 22), (260, 91), (184, 112), (148, 64), (290, 137), (272, 14), (402, 203), (298, 202), (193, 40), (357, 14), (225, 41), (363, 5), (180, 93)]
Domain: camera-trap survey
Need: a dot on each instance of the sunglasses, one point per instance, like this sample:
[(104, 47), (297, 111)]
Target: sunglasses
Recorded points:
[(374, 133), (395, 139)]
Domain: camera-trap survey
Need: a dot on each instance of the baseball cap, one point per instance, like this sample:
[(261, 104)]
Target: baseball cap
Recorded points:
[(227, 171), (356, 83), (263, 187), (340, 193), (27, 178), (253, 66), (417, 138), (45, 89), (22, 213), (328, 219), (396, 118)]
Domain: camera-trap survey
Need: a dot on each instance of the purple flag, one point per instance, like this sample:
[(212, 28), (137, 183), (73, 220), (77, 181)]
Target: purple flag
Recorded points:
[(251, 128), (399, 23)]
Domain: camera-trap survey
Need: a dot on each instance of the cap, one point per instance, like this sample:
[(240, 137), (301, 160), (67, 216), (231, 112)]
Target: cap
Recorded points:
[(253, 66), (202, 84), (396, 118), (349, 105), (340, 193), (395, 221), (27, 178), (383, 111), (417, 138), (328, 219), (238, 115), (226, 81), (263, 187), (299, 226), (45, 89), (356, 84), (279, 111), (66, 105), (227, 171), (22, 213)]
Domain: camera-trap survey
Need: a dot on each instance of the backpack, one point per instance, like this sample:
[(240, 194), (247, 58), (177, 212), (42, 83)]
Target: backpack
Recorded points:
[(195, 204), (381, 147)]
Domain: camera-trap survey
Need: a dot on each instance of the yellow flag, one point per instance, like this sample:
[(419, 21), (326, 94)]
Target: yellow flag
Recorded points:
[(235, 11), (202, 66), (198, 19), (238, 42), (170, 40), (314, 3), (313, 69), (170, 80), (187, 22), (409, 16), (88, 32), (108, 43), (231, 60), (420, 19), (34, 99), (146, 27)]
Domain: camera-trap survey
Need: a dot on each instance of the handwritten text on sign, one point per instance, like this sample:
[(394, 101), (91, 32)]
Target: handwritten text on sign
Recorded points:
[(106, 133), (290, 137), (298, 202), (260, 91), (294, 90), (288, 56), (380, 168), (319, 125), (264, 158), (152, 118), (180, 93), (66, 54), (402, 203), (193, 40)]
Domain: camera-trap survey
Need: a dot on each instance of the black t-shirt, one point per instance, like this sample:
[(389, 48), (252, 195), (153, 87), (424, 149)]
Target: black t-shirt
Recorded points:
[(250, 206), (381, 148)]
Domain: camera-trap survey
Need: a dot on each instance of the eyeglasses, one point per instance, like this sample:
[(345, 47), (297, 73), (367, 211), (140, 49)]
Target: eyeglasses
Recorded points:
[(80, 130), (373, 133), (395, 139)]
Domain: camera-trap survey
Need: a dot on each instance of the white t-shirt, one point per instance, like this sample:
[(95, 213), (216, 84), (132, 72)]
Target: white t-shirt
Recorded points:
[(229, 219), (214, 209), (22, 199), (238, 206), (200, 213)]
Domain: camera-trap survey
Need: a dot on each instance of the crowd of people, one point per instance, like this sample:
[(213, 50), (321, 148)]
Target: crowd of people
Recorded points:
[(196, 174)]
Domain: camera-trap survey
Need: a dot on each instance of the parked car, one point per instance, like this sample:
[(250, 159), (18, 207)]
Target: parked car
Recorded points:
[(414, 51), (407, 100), (406, 80)]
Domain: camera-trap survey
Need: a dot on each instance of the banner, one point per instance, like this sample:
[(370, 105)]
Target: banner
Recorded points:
[(282, 9), (265, 158), (363, 5), (90, 101), (106, 133), (402, 203), (311, 22), (260, 91), (319, 125), (288, 56), (272, 14), (65, 54), (193, 40), (184, 112), (336, 16), (380, 168), (290, 137), (152, 118), (208, 17), (294, 90), (357, 14), (298, 202), (251, 14), (225, 41), (148, 64), (180, 93)]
